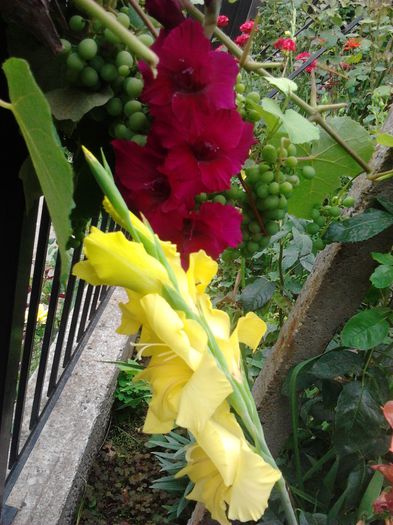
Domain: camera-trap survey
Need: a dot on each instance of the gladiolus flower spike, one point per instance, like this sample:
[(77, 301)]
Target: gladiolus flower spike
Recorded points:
[(195, 368)]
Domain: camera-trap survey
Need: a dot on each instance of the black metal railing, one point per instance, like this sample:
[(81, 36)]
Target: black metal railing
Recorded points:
[(48, 346)]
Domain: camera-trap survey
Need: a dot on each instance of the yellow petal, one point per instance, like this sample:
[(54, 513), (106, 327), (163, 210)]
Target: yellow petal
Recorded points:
[(168, 326), (250, 330), (201, 271), (218, 320), (115, 261), (132, 315), (252, 487), (204, 392)]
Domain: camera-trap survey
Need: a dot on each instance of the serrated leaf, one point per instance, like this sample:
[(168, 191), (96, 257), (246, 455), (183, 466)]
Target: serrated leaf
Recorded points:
[(386, 139), (54, 172), (331, 162), (360, 227), (366, 329), (72, 104), (257, 294), (382, 277)]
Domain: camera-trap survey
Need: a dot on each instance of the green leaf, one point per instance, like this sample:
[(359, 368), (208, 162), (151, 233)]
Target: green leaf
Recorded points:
[(383, 258), (299, 129), (359, 423), (54, 172), (382, 277), (373, 490), (72, 104), (366, 329), (360, 227), (337, 363), (283, 84), (386, 139), (257, 294), (386, 203), (331, 162)]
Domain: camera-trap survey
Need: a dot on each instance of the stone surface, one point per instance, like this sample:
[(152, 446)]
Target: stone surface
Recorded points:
[(50, 484)]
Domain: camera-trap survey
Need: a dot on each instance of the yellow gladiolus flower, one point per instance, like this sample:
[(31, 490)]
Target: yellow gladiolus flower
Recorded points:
[(230, 478), (186, 382), (115, 261)]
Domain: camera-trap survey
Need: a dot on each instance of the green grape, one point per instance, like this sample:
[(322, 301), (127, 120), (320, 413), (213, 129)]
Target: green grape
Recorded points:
[(262, 190), (124, 58), (252, 246), (89, 77), (292, 150), (110, 37), (87, 48), (114, 107), (312, 228), (139, 139), (122, 132), (108, 72), (269, 153), (264, 243), (283, 153), (146, 39), (321, 221), (202, 197), (240, 88), (294, 180), (124, 71), (308, 172), (132, 106), (318, 244), (285, 142), (253, 96), (286, 188), (281, 177), (291, 162), (315, 213), (263, 167), (252, 174), (97, 62), (220, 199), (276, 215), (272, 228), (133, 87), (274, 188), (124, 19), (74, 62), (271, 202), (138, 121), (254, 227), (77, 23), (67, 46), (267, 176), (348, 202), (253, 115), (125, 10), (335, 211), (282, 203)]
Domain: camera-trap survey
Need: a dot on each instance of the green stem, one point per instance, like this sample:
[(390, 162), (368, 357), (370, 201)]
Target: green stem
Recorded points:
[(130, 40), (328, 107), (212, 10), (5, 105)]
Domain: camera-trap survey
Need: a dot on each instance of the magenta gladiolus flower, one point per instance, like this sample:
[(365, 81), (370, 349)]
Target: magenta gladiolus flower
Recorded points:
[(205, 161), (247, 27), (242, 39), (304, 57), (167, 12), (192, 78)]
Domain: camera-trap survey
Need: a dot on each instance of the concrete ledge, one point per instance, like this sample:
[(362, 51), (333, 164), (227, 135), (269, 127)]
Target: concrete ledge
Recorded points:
[(50, 484)]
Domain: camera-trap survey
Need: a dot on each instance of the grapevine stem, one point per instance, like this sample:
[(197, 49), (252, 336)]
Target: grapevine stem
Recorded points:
[(129, 39), (5, 105), (146, 20), (328, 107), (250, 65), (212, 10), (253, 206)]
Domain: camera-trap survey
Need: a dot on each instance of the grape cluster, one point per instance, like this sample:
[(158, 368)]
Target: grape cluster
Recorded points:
[(99, 60)]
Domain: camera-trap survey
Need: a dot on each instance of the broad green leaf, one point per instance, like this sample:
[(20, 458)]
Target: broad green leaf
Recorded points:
[(359, 423), (382, 277), (366, 329), (386, 203), (373, 490), (283, 84), (72, 104), (299, 129), (257, 294), (331, 162), (386, 139), (383, 258), (54, 172), (360, 227), (337, 363)]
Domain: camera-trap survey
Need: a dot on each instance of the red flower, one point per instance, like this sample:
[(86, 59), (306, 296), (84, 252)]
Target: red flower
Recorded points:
[(285, 44), (205, 161), (222, 21), (242, 39), (384, 502), (192, 78), (212, 228), (167, 12), (351, 43), (247, 26), (304, 57)]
